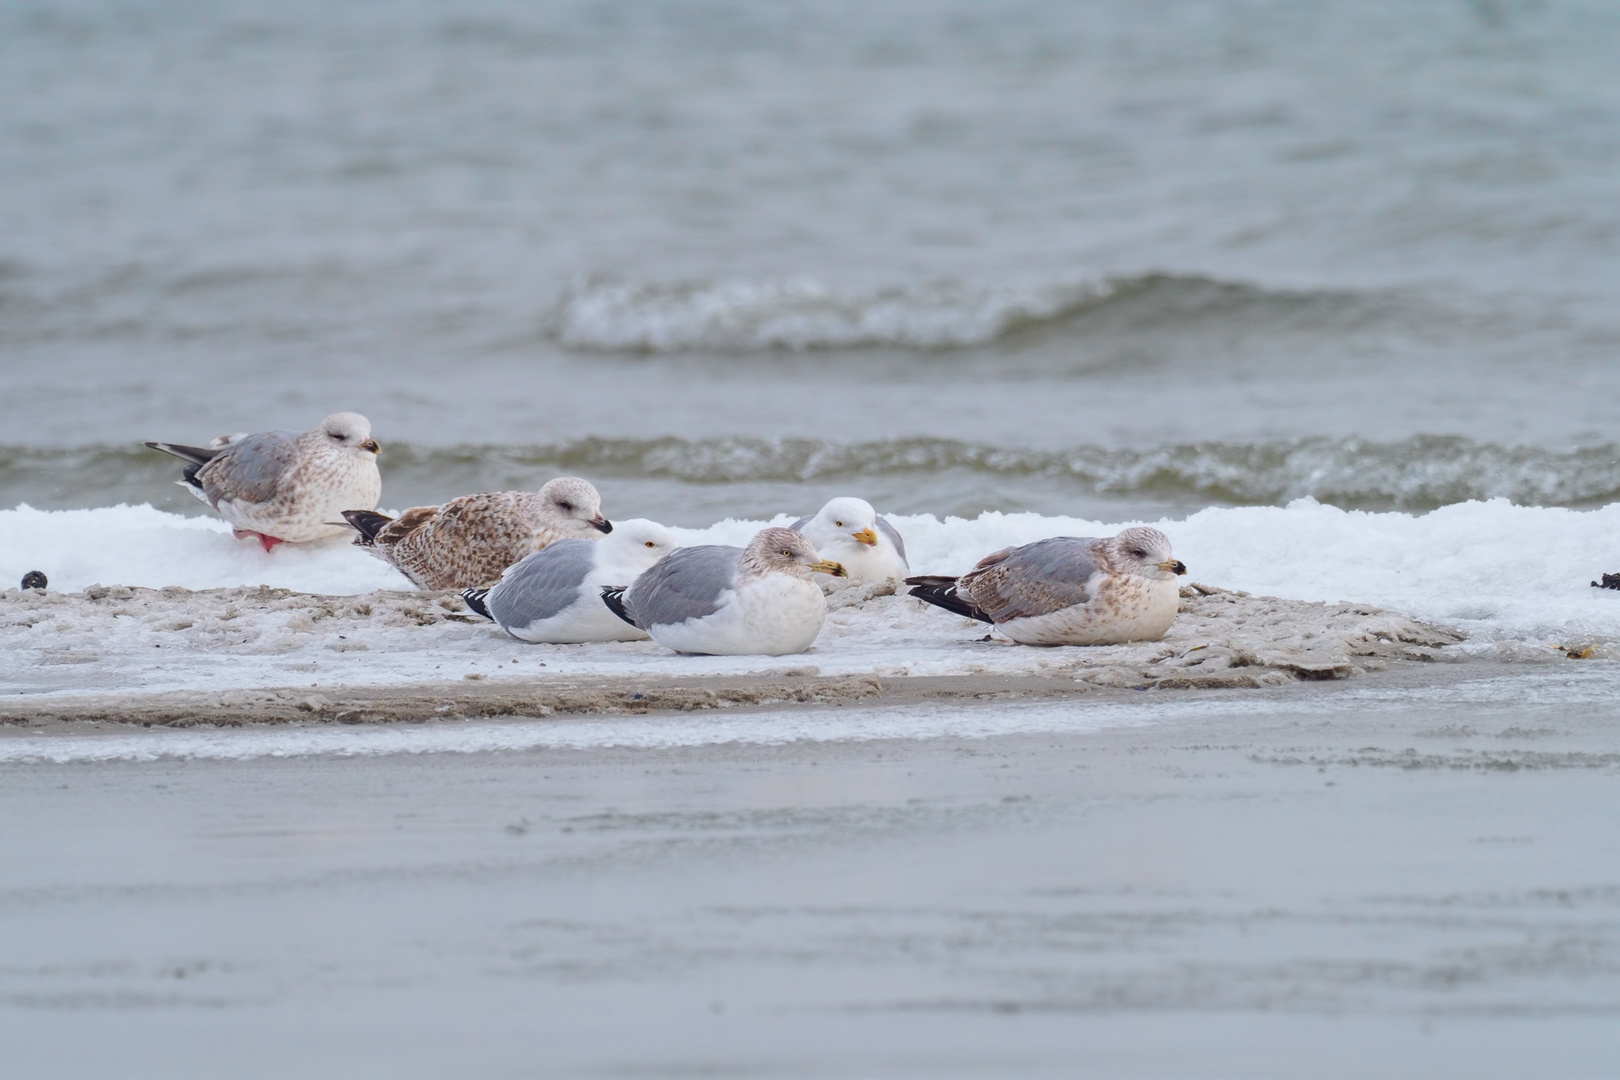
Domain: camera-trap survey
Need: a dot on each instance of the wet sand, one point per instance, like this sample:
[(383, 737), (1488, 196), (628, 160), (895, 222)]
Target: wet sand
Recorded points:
[(1341, 881)]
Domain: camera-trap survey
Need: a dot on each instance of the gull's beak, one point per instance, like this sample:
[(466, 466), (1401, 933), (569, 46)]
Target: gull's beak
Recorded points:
[(1172, 566), (371, 444), (827, 566), (867, 535), (601, 524)]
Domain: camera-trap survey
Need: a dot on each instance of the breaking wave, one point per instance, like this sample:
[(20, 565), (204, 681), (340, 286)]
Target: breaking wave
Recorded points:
[(606, 315), (1420, 473)]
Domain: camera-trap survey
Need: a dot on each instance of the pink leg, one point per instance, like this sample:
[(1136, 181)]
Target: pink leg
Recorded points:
[(267, 541)]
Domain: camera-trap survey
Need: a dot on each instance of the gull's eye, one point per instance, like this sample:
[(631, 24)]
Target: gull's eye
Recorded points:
[(840, 524), (788, 552), (651, 544)]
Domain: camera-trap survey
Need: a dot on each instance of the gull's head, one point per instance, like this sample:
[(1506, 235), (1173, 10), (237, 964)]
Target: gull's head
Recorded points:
[(637, 543), (350, 430), (572, 506), (1145, 552), (783, 551), (844, 520)]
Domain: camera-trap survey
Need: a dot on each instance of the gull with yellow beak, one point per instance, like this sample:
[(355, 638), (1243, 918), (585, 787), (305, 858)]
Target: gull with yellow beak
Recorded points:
[(719, 600), (1069, 590), (851, 532)]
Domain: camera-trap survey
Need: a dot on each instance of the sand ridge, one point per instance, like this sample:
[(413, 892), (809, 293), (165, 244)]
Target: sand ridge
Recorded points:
[(87, 655)]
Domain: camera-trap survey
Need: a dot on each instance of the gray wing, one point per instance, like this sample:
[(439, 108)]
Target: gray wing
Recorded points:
[(251, 468), (1035, 579), (892, 533), (685, 584), (543, 584), (798, 526)]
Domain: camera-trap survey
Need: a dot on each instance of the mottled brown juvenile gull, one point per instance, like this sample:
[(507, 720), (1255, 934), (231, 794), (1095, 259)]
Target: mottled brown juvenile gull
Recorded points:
[(850, 532), (468, 542), (285, 486), (731, 601), (1069, 590), (555, 595)]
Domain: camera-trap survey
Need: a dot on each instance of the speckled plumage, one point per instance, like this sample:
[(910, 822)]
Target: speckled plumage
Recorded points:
[(469, 542), (1069, 590), (286, 486)]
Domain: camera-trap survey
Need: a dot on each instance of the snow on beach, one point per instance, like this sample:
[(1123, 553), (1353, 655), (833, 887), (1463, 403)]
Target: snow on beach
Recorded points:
[(1499, 571), (330, 615)]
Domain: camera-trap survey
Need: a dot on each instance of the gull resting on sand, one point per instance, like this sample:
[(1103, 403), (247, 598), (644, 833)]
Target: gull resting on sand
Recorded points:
[(555, 595), (850, 532), (468, 542), (1069, 590), (285, 486), (731, 601)]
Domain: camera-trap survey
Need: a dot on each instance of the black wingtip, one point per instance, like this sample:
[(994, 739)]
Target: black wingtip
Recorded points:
[(613, 597), (941, 592), (475, 601), (368, 523), (34, 579), (197, 455)]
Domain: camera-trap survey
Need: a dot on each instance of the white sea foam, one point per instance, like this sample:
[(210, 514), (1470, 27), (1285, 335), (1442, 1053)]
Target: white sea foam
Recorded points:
[(748, 316)]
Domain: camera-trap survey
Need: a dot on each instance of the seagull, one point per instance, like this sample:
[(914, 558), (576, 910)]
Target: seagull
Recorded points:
[(555, 595), (851, 532), (731, 601), (468, 542), (285, 486), (1069, 590)]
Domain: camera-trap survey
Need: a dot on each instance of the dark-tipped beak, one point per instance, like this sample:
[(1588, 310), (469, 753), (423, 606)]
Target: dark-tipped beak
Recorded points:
[(1174, 566), (827, 566), (601, 524), (371, 444)]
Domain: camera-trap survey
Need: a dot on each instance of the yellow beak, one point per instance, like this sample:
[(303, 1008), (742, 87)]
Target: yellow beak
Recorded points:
[(867, 535), (827, 566), (1174, 566)]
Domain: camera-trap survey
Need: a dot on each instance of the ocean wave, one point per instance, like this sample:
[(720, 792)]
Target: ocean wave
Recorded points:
[(1420, 473), (606, 315)]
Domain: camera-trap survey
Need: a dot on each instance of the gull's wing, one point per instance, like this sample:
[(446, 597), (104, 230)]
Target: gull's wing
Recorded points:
[(1035, 579), (685, 584), (797, 526), (542, 585), (893, 534), (250, 469)]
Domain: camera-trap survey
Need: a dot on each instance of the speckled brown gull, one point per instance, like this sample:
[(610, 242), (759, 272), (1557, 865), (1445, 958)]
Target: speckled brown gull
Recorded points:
[(467, 543)]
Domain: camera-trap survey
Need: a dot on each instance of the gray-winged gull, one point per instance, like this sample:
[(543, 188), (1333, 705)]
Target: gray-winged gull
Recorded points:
[(285, 486), (555, 595), (731, 601), (849, 531), (1069, 590), (468, 542)]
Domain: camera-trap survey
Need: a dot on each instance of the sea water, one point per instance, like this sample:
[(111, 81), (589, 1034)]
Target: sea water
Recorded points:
[(729, 259)]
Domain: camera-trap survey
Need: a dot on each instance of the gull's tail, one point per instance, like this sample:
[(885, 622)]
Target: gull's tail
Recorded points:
[(475, 600), (195, 458), (368, 523), (941, 592), (613, 597)]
